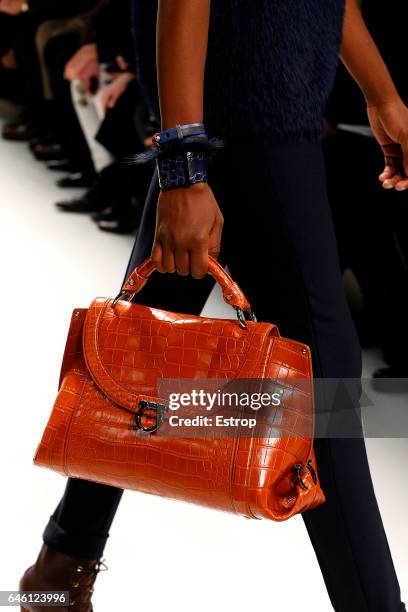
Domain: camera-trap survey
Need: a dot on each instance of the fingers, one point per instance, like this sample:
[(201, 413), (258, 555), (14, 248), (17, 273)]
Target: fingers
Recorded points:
[(214, 242), (169, 262), (182, 261), (404, 147), (199, 261), (402, 185), (391, 174), (187, 233), (204, 249), (387, 173), (392, 182), (157, 256), (395, 173), (163, 258)]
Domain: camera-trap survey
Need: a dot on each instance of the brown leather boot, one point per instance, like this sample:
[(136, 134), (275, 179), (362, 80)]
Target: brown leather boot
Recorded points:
[(54, 571)]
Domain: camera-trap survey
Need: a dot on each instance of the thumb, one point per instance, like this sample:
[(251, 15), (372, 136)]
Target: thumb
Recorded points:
[(392, 156), (389, 169)]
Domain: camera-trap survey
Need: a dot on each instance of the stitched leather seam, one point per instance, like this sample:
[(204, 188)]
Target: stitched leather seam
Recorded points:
[(233, 466), (69, 425), (310, 377), (247, 474), (100, 362), (265, 339)]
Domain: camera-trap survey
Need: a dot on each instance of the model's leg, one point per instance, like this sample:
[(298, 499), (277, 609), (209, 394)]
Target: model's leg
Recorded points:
[(81, 522), (278, 224)]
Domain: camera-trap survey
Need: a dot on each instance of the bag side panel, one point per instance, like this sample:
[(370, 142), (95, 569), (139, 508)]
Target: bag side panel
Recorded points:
[(265, 483), (73, 347), (51, 449)]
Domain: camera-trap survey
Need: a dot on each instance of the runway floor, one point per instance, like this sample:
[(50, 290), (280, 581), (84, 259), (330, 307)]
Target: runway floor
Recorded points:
[(162, 555)]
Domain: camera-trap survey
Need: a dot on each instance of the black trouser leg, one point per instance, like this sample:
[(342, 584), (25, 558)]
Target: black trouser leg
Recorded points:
[(367, 225), (58, 52), (80, 524), (280, 247), (288, 237)]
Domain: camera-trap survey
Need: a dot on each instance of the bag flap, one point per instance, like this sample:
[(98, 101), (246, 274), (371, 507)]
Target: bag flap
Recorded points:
[(128, 348)]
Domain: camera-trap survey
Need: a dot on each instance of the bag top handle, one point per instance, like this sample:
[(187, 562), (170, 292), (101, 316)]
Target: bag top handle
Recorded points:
[(232, 293)]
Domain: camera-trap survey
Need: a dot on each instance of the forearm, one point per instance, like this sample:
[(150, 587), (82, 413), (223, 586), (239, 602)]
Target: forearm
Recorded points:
[(361, 57), (182, 40)]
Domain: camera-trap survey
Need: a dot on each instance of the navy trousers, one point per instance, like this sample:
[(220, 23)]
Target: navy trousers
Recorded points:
[(279, 245)]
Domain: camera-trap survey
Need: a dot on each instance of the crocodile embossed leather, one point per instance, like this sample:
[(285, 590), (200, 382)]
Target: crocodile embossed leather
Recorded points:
[(116, 354), (182, 169)]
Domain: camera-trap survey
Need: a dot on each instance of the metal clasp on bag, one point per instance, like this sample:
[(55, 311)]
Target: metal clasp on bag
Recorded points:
[(241, 317), (123, 296), (144, 407), (299, 469)]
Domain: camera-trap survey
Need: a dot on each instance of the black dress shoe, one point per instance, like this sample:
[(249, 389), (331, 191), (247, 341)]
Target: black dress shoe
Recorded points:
[(62, 165), (19, 131), (118, 226), (85, 204), (44, 138), (126, 222), (76, 179), (106, 214), (49, 151)]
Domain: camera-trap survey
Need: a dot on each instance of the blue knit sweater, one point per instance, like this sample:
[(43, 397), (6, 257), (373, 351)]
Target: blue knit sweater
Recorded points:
[(270, 67)]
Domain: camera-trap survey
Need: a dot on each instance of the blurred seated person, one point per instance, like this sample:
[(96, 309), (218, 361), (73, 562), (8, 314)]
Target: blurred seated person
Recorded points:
[(65, 57), (27, 17), (115, 122), (11, 91)]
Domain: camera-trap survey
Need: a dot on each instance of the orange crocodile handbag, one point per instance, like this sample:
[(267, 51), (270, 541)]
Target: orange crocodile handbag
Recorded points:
[(106, 422)]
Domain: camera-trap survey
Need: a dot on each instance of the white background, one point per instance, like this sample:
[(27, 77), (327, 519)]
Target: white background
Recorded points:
[(162, 555)]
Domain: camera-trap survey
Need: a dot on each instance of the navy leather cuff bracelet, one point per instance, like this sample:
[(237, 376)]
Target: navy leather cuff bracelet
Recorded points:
[(182, 169), (178, 133)]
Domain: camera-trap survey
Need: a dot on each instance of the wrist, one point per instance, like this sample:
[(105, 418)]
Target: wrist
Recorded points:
[(379, 98), (196, 189), (386, 103), (183, 156)]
